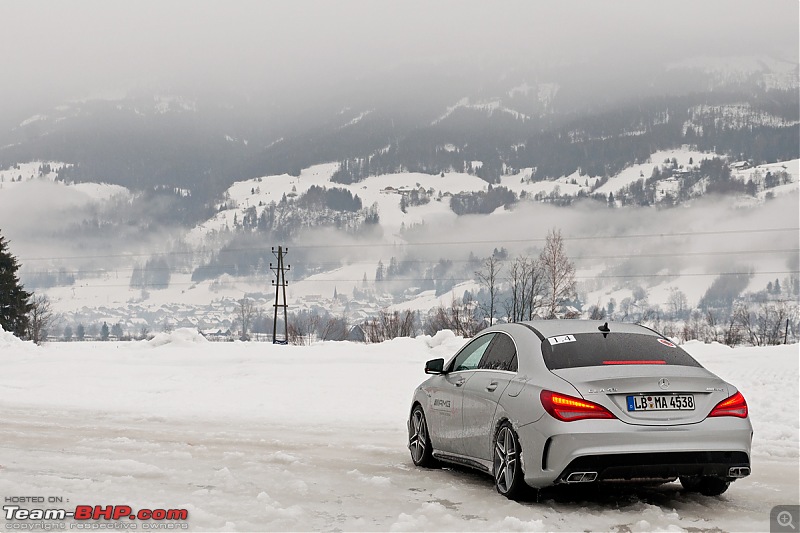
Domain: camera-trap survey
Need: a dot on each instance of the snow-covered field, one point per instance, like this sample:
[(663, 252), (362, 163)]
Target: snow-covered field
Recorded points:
[(251, 436)]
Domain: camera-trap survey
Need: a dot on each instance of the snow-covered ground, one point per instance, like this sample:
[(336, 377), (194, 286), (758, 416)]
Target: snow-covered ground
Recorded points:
[(382, 190), (645, 170), (27, 178), (251, 436)]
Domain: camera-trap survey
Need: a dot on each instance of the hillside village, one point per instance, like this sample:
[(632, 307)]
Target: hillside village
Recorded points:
[(399, 204)]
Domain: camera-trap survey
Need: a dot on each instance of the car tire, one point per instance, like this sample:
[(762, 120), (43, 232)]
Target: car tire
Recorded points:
[(705, 485), (690, 483), (419, 439), (507, 471), (713, 486)]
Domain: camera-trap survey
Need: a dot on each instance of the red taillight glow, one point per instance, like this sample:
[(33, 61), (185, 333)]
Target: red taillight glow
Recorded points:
[(568, 408), (637, 362), (733, 406)]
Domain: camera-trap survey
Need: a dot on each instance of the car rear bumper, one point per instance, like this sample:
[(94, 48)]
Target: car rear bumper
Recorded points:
[(611, 450), (629, 466)]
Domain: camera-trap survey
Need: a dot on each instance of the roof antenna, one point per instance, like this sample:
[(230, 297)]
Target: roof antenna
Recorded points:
[(604, 329)]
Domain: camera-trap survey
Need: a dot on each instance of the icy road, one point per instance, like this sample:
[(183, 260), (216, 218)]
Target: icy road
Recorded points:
[(256, 437)]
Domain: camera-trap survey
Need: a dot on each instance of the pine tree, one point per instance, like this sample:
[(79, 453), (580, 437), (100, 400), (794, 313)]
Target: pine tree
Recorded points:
[(380, 272), (14, 300)]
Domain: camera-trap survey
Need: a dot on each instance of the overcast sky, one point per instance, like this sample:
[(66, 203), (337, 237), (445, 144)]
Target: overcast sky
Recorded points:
[(75, 49)]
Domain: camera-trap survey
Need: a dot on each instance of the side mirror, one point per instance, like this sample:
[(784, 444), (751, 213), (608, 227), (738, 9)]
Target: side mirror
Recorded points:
[(434, 366)]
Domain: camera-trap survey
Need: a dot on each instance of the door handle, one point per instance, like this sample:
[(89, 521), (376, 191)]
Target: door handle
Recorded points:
[(492, 386), (460, 382)]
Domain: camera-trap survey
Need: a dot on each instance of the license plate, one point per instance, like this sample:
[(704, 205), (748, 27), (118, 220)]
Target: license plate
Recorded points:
[(661, 402)]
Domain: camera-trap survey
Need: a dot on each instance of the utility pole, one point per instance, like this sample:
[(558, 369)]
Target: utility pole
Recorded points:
[(280, 287)]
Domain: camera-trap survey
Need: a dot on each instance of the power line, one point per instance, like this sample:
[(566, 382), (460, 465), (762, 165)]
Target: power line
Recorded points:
[(498, 241), (396, 280), (339, 264), (543, 239)]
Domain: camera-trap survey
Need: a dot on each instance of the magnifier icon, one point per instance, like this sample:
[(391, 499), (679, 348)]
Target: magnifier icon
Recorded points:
[(785, 519)]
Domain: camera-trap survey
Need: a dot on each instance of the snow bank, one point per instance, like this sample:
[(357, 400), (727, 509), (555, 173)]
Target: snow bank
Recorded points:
[(440, 338), (768, 379), (179, 337), (9, 341)]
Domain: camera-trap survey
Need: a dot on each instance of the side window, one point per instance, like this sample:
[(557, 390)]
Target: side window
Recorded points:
[(501, 355), (472, 353)]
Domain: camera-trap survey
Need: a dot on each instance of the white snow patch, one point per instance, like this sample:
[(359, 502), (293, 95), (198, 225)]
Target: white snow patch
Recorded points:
[(179, 337), (645, 170), (31, 120)]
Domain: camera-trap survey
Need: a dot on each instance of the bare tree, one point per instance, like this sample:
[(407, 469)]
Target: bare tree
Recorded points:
[(335, 329), (771, 318), (559, 272), (733, 334), (694, 327), (526, 283), (40, 318), (460, 318), (743, 317), (464, 319), (438, 319), (295, 334), (535, 297), (261, 321), (144, 333), (390, 325), (518, 284), (302, 327), (766, 325), (625, 307), (714, 333), (244, 314), (488, 276), (677, 303)]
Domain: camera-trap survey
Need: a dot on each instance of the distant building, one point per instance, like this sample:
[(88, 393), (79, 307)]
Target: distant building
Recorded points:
[(356, 334), (217, 334), (668, 187)]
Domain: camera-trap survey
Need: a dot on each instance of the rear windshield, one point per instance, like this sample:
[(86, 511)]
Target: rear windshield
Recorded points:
[(595, 349)]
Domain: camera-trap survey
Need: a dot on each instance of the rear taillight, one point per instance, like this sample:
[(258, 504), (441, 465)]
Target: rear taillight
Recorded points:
[(733, 406), (568, 408), (637, 362)]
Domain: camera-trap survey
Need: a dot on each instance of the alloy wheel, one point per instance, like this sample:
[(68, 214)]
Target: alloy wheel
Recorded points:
[(505, 460), (419, 436)]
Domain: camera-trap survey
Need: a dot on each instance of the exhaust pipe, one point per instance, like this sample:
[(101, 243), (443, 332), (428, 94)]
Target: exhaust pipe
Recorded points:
[(739, 471), (581, 477)]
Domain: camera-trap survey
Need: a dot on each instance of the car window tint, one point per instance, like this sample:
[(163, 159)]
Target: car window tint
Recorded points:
[(501, 354), (596, 349), (472, 353)]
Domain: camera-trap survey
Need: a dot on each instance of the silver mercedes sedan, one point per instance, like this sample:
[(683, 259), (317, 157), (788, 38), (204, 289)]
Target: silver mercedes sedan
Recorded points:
[(548, 402)]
